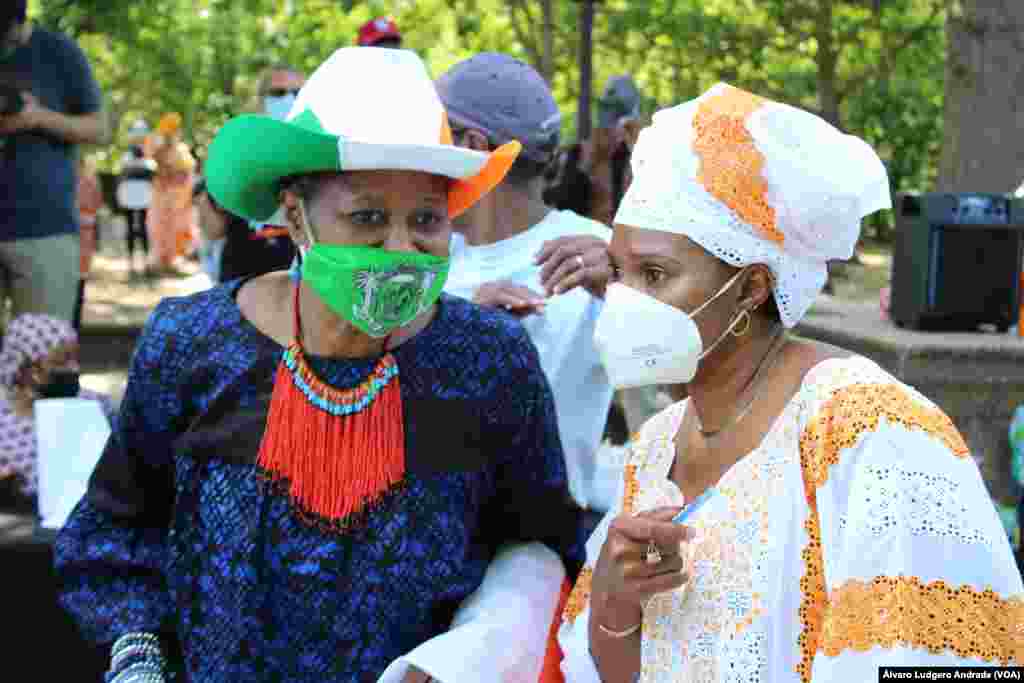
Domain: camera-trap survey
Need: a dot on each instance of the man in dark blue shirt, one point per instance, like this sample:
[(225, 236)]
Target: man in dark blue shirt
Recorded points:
[(49, 102)]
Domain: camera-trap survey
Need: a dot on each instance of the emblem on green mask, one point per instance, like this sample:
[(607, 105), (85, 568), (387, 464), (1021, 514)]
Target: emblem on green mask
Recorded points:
[(378, 291)]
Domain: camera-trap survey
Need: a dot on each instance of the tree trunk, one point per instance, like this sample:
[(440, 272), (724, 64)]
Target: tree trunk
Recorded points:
[(584, 124), (982, 147), (827, 59), (548, 57)]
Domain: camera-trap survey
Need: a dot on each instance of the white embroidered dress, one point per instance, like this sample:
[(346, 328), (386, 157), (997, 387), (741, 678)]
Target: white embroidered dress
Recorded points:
[(858, 534)]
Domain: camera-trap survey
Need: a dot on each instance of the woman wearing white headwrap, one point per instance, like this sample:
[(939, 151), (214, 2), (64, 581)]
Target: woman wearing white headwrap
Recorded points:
[(845, 526)]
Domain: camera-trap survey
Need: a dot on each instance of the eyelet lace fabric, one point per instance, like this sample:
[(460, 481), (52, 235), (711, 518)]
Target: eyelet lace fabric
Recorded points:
[(894, 498), (731, 561), (754, 181)]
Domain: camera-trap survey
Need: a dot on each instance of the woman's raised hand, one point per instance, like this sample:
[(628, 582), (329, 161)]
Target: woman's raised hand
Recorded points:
[(642, 556)]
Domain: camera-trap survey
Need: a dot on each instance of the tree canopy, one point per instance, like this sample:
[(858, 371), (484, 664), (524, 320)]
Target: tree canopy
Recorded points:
[(873, 68)]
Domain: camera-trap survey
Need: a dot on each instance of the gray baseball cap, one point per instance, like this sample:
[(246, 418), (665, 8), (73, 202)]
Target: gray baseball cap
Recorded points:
[(621, 99), (506, 99)]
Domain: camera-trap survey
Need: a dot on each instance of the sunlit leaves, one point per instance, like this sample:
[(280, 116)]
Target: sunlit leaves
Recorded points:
[(203, 57)]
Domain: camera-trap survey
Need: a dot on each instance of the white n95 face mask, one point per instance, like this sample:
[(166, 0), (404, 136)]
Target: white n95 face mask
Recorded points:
[(643, 341)]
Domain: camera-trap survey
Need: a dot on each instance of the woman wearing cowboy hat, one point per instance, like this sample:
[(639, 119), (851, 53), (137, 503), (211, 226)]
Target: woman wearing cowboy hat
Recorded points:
[(803, 515), (314, 470)]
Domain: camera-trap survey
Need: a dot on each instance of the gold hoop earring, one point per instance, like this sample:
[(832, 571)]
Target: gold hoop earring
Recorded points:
[(740, 331)]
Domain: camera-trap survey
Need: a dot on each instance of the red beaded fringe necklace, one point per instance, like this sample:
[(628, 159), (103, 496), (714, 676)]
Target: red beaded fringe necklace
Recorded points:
[(334, 452)]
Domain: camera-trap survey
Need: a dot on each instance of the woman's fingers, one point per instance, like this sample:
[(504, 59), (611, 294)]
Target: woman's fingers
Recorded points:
[(598, 276), (629, 546), (560, 257), (508, 295), (666, 513), (655, 527), (662, 583), (524, 293), (637, 569), (498, 299), (545, 252), (568, 276), (560, 262)]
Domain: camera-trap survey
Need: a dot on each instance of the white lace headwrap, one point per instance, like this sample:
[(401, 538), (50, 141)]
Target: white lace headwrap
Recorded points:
[(756, 181)]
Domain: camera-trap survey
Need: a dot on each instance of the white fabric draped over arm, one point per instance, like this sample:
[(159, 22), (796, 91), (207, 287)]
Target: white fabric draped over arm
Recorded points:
[(574, 633), (500, 632)]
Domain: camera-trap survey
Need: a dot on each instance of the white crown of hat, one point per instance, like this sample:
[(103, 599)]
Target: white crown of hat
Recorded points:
[(818, 182), (375, 97)]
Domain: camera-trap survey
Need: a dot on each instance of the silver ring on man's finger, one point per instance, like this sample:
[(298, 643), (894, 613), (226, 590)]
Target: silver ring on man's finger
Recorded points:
[(579, 260), (653, 555)]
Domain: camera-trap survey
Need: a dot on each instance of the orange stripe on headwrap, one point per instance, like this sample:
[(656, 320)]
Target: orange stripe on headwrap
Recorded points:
[(731, 165)]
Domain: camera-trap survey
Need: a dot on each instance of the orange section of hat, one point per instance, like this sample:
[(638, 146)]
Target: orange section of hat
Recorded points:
[(731, 166), (465, 193)]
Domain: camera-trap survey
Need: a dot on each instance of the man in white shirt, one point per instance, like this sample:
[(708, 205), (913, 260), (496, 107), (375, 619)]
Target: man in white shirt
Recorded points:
[(547, 267)]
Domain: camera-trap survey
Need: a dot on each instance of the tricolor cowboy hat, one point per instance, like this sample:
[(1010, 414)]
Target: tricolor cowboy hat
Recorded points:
[(363, 109)]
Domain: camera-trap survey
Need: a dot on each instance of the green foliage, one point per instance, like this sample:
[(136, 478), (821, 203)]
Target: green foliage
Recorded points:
[(874, 67)]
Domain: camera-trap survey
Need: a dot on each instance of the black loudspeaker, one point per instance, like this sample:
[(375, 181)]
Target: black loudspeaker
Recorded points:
[(956, 262)]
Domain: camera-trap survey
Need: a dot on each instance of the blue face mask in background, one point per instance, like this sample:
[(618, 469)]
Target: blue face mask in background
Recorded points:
[(278, 107)]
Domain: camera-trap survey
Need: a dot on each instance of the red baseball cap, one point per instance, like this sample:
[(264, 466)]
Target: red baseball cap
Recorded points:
[(376, 30)]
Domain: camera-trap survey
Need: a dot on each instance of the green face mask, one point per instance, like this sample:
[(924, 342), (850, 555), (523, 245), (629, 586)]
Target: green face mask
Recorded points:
[(376, 290)]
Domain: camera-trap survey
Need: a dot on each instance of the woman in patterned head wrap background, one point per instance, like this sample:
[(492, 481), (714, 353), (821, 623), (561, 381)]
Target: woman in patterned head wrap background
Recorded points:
[(38, 359)]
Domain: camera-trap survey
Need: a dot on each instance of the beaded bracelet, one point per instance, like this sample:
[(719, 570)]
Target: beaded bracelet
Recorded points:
[(140, 672), (135, 638), (133, 653), (140, 654)]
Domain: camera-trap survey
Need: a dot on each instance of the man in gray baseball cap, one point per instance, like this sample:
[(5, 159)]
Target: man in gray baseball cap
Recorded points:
[(621, 100), (547, 267)]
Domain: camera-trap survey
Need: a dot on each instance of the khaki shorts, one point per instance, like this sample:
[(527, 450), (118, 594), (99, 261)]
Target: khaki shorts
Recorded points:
[(40, 275)]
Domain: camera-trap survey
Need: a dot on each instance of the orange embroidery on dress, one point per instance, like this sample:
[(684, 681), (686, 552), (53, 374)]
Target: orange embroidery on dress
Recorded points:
[(904, 611), (731, 166), (579, 597), (813, 601), (856, 409), (632, 489)]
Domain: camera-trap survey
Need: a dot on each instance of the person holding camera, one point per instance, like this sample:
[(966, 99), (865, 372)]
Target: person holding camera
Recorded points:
[(49, 102)]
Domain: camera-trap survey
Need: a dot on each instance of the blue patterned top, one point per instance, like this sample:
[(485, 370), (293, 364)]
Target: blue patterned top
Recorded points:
[(176, 535)]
